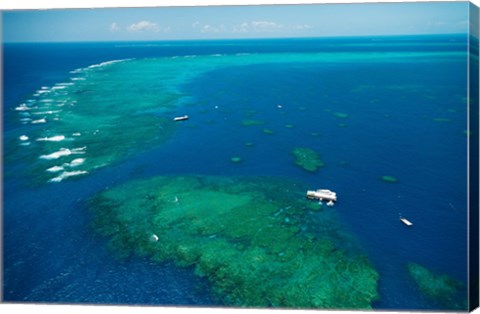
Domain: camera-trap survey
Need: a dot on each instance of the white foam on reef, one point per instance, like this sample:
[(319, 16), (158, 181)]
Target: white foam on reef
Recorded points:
[(55, 169), (23, 107), (46, 112), (94, 66), (23, 138), (76, 134), (59, 87), (79, 150), (63, 152), (102, 64), (43, 120), (67, 174), (56, 138), (76, 162)]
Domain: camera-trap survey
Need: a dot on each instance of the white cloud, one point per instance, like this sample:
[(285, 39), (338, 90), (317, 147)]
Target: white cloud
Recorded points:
[(261, 26), (265, 26), (242, 28), (250, 27), (213, 29), (144, 26), (196, 24), (114, 27), (304, 26)]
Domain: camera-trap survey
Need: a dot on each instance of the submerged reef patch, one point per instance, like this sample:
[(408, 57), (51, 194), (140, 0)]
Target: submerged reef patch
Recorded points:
[(341, 115), (236, 159), (389, 179), (247, 236), (307, 159), (437, 287), (250, 122)]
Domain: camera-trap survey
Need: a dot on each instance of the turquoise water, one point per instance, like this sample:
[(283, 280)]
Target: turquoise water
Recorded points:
[(370, 109)]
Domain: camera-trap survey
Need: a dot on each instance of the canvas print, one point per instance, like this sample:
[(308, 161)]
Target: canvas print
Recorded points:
[(320, 156)]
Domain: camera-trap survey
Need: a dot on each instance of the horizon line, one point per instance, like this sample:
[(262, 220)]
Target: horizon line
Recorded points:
[(236, 39)]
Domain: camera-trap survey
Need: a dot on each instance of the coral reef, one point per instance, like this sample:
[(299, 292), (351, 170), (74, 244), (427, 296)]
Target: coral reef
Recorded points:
[(250, 122), (307, 159), (236, 159), (247, 236), (389, 179), (437, 287), (340, 115)]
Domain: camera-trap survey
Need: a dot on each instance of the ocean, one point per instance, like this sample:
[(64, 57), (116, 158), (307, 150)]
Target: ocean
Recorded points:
[(80, 118)]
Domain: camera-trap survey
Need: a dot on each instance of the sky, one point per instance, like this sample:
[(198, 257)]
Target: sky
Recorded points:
[(236, 22)]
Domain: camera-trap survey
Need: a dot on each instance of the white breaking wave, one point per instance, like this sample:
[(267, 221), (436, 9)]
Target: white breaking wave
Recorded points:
[(76, 162), (56, 138), (23, 107), (55, 169), (42, 91), (102, 64), (46, 112), (23, 138), (67, 174), (58, 87), (94, 66), (39, 121), (63, 152), (79, 150)]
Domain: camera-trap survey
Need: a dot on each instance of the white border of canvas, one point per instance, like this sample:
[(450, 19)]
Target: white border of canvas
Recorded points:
[(81, 309)]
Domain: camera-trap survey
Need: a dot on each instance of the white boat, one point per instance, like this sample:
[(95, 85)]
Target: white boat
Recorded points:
[(406, 221), (322, 194), (182, 118)]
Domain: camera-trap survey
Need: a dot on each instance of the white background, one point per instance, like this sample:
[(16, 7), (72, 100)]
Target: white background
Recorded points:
[(69, 309)]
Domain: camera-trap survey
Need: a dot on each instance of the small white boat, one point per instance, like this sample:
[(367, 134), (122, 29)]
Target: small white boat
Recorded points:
[(406, 221), (182, 118)]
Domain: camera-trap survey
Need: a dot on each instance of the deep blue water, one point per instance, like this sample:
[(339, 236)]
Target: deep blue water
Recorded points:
[(52, 255)]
